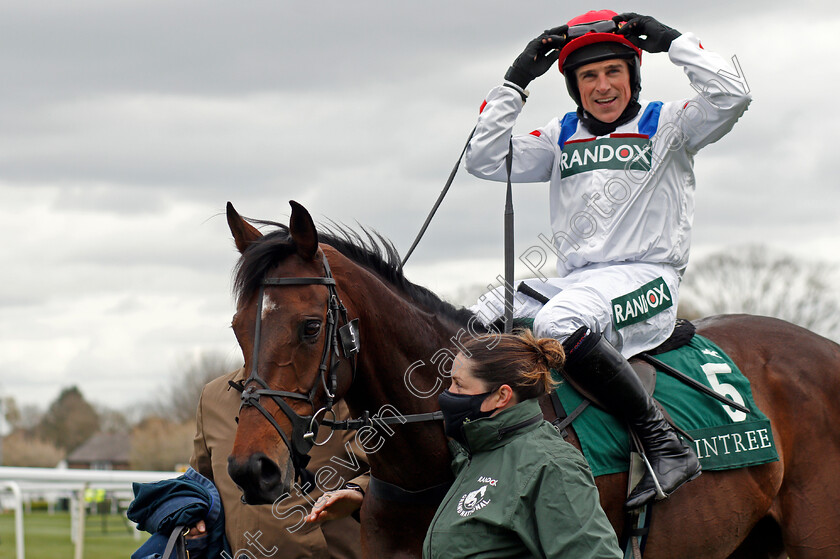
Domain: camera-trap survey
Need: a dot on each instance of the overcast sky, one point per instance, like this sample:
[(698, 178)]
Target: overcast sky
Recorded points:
[(125, 127)]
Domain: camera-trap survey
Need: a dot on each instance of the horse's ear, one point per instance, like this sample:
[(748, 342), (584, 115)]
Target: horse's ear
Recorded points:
[(303, 232), (243, 232)]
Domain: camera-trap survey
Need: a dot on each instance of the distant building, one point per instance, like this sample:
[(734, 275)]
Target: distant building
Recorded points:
[(103, 451)]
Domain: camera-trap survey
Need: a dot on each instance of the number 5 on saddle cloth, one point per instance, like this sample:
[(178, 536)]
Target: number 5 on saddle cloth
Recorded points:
[(723, 437)]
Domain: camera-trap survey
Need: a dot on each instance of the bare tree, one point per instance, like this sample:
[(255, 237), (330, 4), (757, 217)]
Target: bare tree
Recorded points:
[(181, 397), (26, 416), (112, 420), (756, 280), (11, 412), (25, 450)]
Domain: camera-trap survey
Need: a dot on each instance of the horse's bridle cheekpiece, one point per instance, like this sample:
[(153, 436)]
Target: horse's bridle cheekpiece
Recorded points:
[(338, 342)]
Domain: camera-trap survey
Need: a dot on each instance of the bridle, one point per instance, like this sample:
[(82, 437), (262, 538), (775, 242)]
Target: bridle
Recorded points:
[(339, 341), (346, 339)]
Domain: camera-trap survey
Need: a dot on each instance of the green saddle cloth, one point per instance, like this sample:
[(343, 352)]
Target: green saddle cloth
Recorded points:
[(724, 438)]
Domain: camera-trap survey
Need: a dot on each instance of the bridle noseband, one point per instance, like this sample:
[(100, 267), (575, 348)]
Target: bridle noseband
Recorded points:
[(338, 341)]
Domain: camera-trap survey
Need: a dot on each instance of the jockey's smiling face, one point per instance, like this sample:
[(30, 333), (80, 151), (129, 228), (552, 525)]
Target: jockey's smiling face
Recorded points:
[(604, 88)]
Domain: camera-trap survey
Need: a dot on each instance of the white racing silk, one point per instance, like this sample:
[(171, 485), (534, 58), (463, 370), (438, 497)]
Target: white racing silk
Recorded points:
[(622, 199)]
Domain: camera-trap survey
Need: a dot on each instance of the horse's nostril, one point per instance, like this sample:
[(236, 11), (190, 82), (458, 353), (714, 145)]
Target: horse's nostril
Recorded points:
[(267, 471), (258, 476)]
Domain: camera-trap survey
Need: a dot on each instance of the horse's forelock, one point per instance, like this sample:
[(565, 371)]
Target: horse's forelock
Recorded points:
[(259, 258)]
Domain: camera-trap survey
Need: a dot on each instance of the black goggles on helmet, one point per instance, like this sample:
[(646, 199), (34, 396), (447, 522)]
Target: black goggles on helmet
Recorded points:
[(581, 29)]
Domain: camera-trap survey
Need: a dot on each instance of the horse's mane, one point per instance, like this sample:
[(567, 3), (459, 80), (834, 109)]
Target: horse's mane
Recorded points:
[(368, 249)]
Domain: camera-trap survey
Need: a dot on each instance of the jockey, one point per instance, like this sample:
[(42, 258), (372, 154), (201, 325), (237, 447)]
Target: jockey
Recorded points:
[(622, 204)]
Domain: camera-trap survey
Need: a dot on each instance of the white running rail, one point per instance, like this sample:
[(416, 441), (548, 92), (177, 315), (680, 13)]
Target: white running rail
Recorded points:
[(18, 481)]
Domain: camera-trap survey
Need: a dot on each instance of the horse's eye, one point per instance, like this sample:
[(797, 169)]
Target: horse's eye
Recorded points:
[(311, 328)]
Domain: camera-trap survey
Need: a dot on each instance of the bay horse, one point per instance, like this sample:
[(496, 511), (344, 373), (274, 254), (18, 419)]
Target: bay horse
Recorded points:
[(408, 337)]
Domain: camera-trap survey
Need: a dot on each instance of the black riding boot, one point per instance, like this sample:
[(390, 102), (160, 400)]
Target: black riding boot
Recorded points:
[(600, 369)]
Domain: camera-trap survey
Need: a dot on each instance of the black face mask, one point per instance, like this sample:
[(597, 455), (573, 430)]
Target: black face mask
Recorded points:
[(460, 408)]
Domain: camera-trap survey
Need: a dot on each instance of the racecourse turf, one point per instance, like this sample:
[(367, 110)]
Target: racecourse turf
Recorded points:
[(48, 536)]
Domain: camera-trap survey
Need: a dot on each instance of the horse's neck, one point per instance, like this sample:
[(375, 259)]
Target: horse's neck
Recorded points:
[(407, 357), (398, 375)]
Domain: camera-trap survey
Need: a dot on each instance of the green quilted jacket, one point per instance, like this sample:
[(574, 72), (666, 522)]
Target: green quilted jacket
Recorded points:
[(520, 491)]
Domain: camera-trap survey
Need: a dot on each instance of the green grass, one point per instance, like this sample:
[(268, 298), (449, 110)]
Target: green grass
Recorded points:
[(48, 537)]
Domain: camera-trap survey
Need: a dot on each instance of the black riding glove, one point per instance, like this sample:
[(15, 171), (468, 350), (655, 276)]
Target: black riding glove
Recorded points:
[(657, 37), (537, 57)]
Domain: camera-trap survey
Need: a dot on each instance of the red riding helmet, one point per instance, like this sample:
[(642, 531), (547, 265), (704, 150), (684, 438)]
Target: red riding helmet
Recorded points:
[(593, 39)]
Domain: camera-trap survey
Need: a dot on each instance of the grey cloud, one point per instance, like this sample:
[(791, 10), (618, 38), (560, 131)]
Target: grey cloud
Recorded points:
[(126, 126)]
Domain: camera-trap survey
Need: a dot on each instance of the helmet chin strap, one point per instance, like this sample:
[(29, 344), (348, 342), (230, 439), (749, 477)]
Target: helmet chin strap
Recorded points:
[(600, 128)]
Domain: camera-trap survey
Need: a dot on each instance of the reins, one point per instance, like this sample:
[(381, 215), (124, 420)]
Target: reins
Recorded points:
[(369, 421), (304, 428), (508, 219), (438, 202)]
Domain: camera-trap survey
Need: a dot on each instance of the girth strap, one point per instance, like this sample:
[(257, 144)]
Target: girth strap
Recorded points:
[(561, 425)]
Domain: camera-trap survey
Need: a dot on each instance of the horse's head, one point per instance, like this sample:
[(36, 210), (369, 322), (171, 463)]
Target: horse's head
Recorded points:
[(292, 328)]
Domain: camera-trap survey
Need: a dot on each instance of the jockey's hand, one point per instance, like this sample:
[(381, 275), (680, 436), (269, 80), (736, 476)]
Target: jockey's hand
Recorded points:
[(537, 57), (657, 36), (197, 531), (335, 504)]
